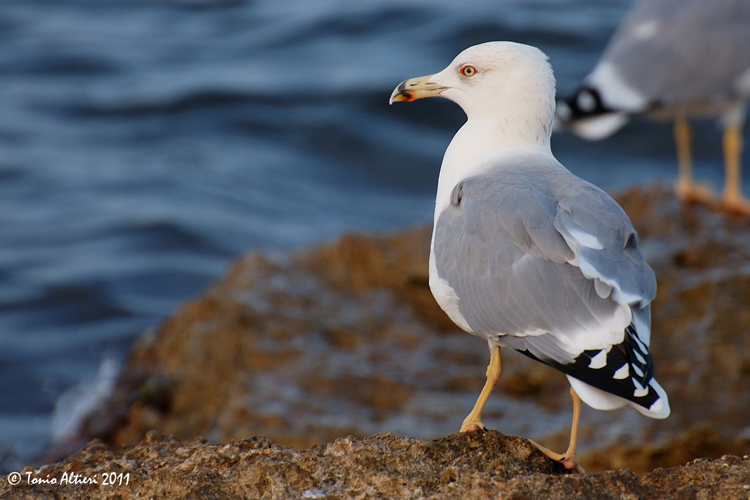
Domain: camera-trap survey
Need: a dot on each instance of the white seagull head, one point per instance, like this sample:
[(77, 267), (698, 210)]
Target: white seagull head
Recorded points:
[(508, 81)]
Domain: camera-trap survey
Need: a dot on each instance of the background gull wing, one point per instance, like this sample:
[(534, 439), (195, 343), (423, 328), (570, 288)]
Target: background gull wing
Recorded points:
[(672, 51)]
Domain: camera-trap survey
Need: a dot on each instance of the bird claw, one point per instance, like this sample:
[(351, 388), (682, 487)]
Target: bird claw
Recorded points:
[(695, 193), (571, 463), (473, 426), (569, 460), (737, 205), (702, 193)]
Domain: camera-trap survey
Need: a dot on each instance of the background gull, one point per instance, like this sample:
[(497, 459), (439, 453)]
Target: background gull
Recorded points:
[(674, 59), (528, 256)]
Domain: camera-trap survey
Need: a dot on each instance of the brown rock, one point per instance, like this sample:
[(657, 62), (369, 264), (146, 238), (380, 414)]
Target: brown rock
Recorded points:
[(345, 338), (461, 466)]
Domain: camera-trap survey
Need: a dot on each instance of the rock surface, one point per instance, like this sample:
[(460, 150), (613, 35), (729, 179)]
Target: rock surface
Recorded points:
[(460, 466), (345, 338)]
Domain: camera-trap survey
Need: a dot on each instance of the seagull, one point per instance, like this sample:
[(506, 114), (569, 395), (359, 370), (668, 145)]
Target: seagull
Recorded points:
[(526, 255), (674, 59)]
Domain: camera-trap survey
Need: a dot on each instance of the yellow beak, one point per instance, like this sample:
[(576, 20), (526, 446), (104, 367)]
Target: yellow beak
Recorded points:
[(416, 88)]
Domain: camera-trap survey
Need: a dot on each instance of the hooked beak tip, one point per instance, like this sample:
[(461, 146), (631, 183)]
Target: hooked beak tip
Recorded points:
[(415, 88)]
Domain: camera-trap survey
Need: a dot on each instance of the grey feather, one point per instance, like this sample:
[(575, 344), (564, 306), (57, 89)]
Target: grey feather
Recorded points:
[(589, 210), (698, 54), (503, 246)]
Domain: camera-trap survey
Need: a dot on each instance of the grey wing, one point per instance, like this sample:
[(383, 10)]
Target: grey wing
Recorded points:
[(605, 243), (516, 275), (672, 51), (498, 248)]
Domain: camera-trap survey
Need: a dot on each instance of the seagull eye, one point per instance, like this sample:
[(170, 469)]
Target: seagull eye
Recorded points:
[(468, 70)]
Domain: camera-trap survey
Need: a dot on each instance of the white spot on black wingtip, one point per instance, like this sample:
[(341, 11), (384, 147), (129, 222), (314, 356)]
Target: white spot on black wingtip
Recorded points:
[(640, 358), (657, 406), (586, 101), (600, 360), (622, 373), (641, 346), (640, 391)]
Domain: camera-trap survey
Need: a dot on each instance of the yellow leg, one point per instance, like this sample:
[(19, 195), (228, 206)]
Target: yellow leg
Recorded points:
[(732, 197), (473, 422), (570, 458), (685, 189)]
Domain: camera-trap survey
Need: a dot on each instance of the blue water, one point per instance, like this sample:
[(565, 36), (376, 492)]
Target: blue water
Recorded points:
[(145, 144)]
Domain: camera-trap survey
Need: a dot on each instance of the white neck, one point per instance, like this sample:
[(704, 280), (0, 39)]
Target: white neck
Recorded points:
[(478, 145), (509, 105)]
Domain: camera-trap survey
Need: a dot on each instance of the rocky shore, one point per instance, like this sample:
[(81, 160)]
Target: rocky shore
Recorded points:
[(459, 466), (345, 339)]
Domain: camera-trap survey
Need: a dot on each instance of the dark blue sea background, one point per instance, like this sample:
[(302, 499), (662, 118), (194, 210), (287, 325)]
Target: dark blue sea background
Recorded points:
[(146, 144)]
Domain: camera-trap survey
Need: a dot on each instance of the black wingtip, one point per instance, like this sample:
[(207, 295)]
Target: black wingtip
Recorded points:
[(630, 351), (585, 103)]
